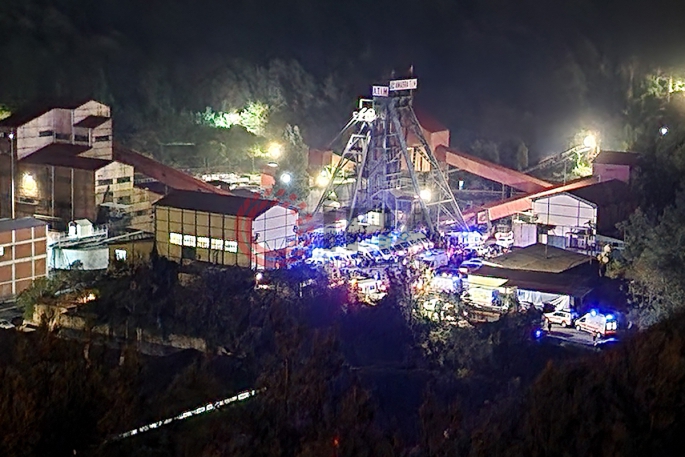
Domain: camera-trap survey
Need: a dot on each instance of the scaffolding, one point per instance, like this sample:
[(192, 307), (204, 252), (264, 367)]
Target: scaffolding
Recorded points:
[(384, 177)]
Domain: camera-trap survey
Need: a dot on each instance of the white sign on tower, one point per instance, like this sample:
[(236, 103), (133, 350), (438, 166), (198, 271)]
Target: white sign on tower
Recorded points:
[(404, 84), (379, 91)]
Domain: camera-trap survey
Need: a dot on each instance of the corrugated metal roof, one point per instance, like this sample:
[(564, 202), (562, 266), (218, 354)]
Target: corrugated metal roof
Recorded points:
[(617, 158), (555, 283), (169, 176), (230, 205), (540, 258), (7, 225), (65, 155), (605, 193)]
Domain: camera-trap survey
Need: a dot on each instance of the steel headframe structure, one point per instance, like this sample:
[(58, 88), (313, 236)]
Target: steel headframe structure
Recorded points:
[(383, 176)]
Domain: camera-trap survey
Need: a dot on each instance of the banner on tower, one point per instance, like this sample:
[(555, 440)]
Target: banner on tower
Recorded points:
[(404, 84), (379, 91)]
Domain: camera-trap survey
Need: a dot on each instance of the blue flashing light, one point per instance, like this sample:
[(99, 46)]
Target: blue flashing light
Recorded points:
[(593, 312), (610, 317), (538, 334)]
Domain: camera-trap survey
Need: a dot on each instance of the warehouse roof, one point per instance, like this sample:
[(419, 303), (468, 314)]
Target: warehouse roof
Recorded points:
[(555, 283), (65, 155), (7, 225), (230, 205), (617, 158), (604, 193), (540, 258)]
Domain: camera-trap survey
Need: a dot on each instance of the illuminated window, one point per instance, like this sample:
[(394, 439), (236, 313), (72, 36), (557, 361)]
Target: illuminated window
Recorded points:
[(203, 242), (29, 186), (189, 240), (217, 245), (176, 238), (231, 246), (120, 254)]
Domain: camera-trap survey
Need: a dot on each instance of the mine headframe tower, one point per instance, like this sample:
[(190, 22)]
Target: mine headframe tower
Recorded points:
[(381, 168)]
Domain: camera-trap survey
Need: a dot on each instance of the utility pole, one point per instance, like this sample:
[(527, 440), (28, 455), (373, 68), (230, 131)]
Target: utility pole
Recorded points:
[(12, 173)]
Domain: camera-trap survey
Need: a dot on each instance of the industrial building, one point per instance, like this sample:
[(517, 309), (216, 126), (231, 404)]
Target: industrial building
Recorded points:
[(574, 219), (539, 274), (23, 258), (56, 164), (224, 229)]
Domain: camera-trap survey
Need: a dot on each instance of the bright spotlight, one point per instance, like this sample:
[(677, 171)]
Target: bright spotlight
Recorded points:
[(590, 141), (272, 164), (322, 180), (663, 130), (286, 178), (259, 277), (425, 195), (275, 150)]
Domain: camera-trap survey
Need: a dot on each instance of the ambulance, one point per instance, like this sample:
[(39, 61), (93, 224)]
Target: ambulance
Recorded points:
[(597, 324)]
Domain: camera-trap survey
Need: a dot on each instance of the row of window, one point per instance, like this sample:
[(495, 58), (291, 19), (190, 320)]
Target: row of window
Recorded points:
[(107, 182), (203, 242), (66, 136)]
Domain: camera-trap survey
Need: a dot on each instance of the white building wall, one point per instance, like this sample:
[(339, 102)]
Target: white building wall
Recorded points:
[(275, 228), (29, 139), (91, 259), (564, 210)]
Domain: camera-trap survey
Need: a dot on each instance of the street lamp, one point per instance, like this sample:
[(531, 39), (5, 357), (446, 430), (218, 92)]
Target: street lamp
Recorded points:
[(590, 141), (322, 180), (275, 150), (12, 196), (286, 178)]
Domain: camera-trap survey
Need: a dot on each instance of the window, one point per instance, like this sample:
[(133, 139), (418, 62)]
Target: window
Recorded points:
[(81, 138), (63, 136), (125, 200), (101, 138), (104, 182), (46, 133), (189, 240), (217, 245), (176, 238), (124, 179), (120, 254), (231, 246), (203, 242)]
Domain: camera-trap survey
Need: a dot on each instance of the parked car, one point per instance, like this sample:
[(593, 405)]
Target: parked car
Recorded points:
[(5, 324), (597, 324), (469, 266), (563, 318)]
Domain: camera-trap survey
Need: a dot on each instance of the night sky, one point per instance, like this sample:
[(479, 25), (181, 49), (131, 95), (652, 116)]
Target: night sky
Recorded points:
[(495, 69)]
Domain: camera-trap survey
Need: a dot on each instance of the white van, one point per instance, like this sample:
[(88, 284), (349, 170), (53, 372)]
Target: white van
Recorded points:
[(597, 324), (435, 259), (371, 289)]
